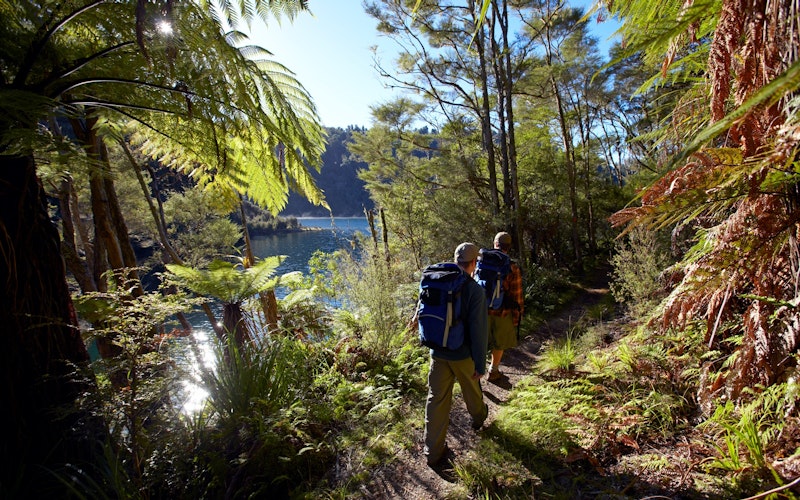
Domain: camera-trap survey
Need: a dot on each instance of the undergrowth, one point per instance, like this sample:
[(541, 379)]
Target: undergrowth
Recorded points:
[(609, 408), (605, 394)]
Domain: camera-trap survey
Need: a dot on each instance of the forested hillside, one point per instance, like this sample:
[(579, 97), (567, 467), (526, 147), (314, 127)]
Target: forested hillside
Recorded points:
[(338, 180)]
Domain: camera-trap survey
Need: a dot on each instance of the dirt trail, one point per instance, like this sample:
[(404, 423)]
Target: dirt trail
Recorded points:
[(408, 477)]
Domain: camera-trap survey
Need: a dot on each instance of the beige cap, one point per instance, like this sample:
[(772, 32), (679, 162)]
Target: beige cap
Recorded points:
[(466, 253)]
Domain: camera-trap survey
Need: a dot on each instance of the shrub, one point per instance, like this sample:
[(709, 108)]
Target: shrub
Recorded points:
[(379, 304), (545, 290), (638, 262)]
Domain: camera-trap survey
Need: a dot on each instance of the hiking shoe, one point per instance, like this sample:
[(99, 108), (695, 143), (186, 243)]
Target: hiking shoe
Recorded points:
[(477, 424), (443, 460), (494, 375)]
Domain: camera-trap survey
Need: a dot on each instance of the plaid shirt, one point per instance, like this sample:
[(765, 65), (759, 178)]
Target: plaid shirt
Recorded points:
[(512, 288)]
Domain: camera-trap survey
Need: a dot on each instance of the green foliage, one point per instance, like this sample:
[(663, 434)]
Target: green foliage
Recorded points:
[(559, 355), (263, 433), (255, 378), (599, 361), (324, 275), (373, 409), (575, 414), (226, 281), (638, 263), (546, 290), (224, 127), (748, 432), (111, 481), (197, 229), (137, 384), (421, 180), (301, 314), (379, 304), (626, 354), (491, 471), (538, 418)]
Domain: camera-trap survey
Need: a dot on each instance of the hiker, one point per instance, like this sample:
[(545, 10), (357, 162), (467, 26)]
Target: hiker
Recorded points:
[(504, 322), (467, 363)]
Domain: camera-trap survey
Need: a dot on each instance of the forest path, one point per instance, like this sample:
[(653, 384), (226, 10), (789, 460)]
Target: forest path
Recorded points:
[(409, 477)]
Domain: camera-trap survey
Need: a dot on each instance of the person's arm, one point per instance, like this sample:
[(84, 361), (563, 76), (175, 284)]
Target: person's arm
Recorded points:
[(479, 326)]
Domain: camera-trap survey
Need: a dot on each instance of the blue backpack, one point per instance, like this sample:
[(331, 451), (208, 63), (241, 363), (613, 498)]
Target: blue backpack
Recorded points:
[(439, 307), (493, 267)]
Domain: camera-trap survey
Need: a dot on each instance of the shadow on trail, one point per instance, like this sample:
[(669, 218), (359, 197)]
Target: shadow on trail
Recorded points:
[(580, 479)]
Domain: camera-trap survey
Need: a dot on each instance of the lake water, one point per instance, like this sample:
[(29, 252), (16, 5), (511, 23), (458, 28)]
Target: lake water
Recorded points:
[(298, 247), (328, 235)]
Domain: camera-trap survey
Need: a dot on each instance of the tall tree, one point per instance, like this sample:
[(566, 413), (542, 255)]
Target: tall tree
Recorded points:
[(550, 28), (465, 69), (567, 80), (419, 179)]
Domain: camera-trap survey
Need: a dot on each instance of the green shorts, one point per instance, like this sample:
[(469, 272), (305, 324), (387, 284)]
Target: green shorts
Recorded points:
[(502, 332)]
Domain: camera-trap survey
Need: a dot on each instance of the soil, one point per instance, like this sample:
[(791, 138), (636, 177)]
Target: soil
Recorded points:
[(409, 477)]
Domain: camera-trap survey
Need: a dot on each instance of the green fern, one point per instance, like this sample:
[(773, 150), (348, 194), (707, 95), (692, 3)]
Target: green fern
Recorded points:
[(229, 282)]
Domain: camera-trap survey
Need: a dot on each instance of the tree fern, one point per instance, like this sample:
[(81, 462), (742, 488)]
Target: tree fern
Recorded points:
[(226, 281), (733, 181)]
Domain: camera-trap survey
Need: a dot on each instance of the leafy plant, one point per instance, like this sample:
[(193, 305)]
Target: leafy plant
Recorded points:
[(749, 431), (599, 361), (137, 382), (730, 180), (638, 262), (538, 419), (492, 472), (379, 304), (560, 354), (250, 376), (265, 432), (546, 290), (232, 285), (628, 356)]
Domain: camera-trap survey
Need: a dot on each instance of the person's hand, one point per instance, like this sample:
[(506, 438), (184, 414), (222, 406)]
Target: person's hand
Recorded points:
[(476, 375)]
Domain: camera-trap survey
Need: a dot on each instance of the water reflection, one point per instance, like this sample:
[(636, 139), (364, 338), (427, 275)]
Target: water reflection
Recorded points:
[(198, 353)]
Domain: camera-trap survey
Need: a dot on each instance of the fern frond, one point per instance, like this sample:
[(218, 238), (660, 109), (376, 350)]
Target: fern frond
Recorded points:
[(228, 282)]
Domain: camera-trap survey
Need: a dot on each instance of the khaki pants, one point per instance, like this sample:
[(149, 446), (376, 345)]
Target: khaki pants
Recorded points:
[(441, 379)]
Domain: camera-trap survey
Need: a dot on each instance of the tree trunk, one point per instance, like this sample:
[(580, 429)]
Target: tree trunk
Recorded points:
[(233, 323), (585, 126), (501, 123), (269, 303), (512, 140), (485, 114), (45, 362), (121, 231), (385, 235), (77, 266), (572, 176)]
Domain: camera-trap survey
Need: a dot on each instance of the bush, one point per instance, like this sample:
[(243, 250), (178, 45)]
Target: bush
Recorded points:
[(638, 262), (377, 302), (546, 290)]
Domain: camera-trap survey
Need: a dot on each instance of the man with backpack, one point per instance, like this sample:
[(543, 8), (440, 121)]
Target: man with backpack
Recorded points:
[(465, 362), (504, 317)]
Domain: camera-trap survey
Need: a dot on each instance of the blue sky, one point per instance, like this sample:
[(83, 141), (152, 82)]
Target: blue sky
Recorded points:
[(330, 52)]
